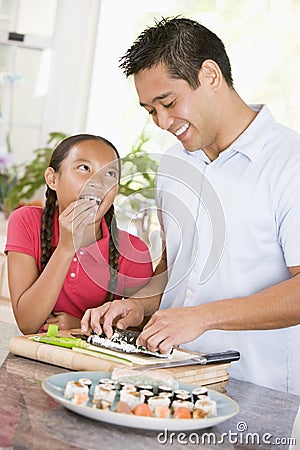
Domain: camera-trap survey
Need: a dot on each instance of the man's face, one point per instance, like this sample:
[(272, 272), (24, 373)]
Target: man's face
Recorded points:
[(188, 114)]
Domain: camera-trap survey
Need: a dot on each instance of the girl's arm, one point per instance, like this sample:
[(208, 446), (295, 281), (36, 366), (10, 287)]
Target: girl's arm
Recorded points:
[(33, 296)]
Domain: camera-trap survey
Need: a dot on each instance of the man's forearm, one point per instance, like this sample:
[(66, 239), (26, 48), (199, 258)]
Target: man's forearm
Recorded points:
[(274, 307)]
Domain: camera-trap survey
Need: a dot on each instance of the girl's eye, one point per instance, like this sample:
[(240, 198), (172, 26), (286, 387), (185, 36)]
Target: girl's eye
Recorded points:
[(84, 167), (111, 174)]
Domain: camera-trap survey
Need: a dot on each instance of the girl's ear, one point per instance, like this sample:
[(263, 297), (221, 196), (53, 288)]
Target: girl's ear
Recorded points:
[(50, 178)]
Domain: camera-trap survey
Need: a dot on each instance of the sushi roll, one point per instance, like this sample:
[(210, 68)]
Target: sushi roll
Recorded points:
[(86, 382), (163, 388), (199, 391), (80, 398), (168, 395), (106, 381), (132, 398), (103, 393), (182, 413), (182, 403), (75, 387), (147, 394), (128, 388), (156, 401), (207, 405), (181, 392), (162, 412), (142, 409), (101, 404), (142, 387), (184, 397), (108, 386)]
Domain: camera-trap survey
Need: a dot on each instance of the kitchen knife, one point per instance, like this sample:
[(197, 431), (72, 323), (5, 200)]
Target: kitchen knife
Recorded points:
[(209, 358)]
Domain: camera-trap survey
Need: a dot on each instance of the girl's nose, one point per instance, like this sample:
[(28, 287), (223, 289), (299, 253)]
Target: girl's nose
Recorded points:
[(95, 182)]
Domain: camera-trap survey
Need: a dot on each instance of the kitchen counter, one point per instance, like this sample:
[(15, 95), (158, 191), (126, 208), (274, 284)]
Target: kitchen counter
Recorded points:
[(30, 419)]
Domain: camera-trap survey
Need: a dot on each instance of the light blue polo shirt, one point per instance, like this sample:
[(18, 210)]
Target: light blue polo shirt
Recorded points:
[(232, 228)]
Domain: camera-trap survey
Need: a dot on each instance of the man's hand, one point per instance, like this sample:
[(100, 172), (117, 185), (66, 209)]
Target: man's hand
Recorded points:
[(171, 327), (63, 320), (123, 313)]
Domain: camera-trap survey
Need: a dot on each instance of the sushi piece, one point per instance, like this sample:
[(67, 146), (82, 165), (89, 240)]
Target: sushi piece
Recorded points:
[(182, 413), (128, 388), (147, 394), (163, 412), (106, 381), (101, 404), (133, 398), (104, 393), (199, 414), (75, 387), (142, 409), (80, 398), (182, 403), (199, 391), (180, 392), (156, 401), (169, 395), (207, 405), (184, 397), (122, 407), (147, 387), (86, 382), (163, 388)]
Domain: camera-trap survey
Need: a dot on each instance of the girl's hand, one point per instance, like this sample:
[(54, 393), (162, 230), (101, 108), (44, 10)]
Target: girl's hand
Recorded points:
[(123, 313), (77, 224), (63, 320), (171, 327)]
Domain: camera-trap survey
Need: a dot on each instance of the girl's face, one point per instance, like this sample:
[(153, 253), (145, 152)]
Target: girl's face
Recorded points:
[(90, 170)]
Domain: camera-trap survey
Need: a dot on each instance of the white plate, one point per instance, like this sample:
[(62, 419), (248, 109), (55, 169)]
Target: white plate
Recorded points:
[(55, 386)]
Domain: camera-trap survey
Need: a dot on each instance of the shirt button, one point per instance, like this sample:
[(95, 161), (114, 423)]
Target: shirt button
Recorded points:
[(81, 252), (72, 274), (189, 293), (75, 259)]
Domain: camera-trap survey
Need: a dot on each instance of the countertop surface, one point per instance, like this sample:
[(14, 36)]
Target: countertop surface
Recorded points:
[(30, 419)]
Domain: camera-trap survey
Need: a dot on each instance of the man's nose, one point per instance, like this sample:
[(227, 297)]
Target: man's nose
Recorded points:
[(163, 120)]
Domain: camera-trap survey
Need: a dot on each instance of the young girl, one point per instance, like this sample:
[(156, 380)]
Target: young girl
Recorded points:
[(70, 256)]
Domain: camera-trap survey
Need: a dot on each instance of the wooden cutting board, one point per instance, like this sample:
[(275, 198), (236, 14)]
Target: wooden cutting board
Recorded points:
[(69, 359)]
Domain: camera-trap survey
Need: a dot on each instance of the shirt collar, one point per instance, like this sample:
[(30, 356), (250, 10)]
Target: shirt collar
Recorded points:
[(250, 142)]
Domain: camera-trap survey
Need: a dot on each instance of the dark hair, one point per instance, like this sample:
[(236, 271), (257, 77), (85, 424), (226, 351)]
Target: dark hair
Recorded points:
[(182, 45), (60, 153)]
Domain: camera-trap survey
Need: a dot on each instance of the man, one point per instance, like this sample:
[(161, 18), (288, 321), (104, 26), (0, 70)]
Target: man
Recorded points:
[(228, 197)]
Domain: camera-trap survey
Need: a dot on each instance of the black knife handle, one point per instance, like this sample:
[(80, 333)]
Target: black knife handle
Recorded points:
[(222, 357)]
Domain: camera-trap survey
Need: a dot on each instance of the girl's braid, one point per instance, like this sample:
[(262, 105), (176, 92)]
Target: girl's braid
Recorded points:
[(47, 226), (113, 253)]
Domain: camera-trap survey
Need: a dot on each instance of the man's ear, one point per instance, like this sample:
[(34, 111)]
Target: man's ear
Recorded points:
[(210, 73), (50, 178)]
